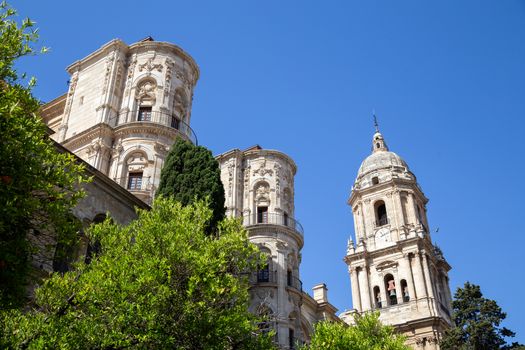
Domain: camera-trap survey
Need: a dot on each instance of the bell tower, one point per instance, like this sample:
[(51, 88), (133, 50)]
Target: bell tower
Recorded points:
[(394, 266)]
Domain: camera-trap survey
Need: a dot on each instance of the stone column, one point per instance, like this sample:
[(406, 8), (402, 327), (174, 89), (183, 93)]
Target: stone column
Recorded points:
[(430, 285), (410, 279), (399, 203), (356, 296), (412, 214), (419, 278), (364, 288)]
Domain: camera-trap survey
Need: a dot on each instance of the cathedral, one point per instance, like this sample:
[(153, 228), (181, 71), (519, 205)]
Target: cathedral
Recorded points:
[(125, 107)]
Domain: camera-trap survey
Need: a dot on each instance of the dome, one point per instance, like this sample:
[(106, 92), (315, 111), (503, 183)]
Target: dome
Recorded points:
[(381, 160)]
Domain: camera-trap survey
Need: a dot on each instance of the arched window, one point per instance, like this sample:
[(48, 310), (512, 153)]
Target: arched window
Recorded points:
[(381, 216), (377, 297), (265, 314), (390, 286), (404, 290)]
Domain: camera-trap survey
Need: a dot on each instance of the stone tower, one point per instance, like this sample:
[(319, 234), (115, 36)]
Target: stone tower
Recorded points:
[(394, 266), (125, 107), (259, 188)]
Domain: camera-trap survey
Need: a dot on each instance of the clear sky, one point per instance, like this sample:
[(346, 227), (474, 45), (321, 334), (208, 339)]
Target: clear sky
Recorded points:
[(446, 79)]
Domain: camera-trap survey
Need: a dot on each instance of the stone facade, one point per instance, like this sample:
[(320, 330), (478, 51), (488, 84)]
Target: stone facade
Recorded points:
[(259, 188), (125, 106), (394, 266)]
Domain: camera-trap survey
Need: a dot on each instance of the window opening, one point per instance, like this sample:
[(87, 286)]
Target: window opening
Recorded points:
[(175, 122), (404, 288), (382, 218), (135, 181), (391, 289), (285, 219), (291, 338), (289, 278), (262, 215), (263, 274), (144, 114), (377, 297), (375, 180)]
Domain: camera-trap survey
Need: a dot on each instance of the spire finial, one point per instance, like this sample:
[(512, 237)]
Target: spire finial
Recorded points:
[(375, 121)]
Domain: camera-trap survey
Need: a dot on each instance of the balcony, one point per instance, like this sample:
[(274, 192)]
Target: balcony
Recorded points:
[(155, 117), (294, 283), (273, 219)]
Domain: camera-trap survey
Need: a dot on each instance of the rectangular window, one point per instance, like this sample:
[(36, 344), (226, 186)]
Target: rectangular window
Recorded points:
[(144, 114), (289, 278), (262, 215), (291, 338), (135, 181), (263, 275), (175, 122), (285, 219)]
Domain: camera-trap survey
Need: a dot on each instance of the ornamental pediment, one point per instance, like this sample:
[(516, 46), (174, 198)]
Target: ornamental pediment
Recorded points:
[(389, 264)]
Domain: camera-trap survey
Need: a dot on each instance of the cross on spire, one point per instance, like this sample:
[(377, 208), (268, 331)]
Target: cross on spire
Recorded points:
[(375, 122)]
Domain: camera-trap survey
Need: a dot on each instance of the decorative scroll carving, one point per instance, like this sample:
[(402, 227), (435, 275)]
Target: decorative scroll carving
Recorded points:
[(262, 191), (231, 167), (169, 73), (107, 74), (72, 86), (262, 170), (150, 66), (147, 88), (131, 71), (246, 181)]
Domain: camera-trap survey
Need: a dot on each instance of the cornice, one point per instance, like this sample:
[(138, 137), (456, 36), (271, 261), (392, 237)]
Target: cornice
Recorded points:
[(86, 136), (394, 183), (272, 230), (147, 128)]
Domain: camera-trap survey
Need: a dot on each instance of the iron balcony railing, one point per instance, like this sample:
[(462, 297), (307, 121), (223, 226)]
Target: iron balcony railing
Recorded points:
[(266, 218), (155, 117), (263, 276), (295, 283)]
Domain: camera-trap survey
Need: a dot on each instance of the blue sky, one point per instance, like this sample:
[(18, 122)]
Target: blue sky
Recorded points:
[(446, 79)]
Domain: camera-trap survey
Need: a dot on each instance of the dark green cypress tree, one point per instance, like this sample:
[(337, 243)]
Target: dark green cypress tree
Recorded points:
[(191, 173)]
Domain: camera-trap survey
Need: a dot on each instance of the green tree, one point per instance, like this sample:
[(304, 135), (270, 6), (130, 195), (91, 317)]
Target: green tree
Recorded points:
[(191, 173), (159, 282), (477, 323), (366, 334), (38, 185)]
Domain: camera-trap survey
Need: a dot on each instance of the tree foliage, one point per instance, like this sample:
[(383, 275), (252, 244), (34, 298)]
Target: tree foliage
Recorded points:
[(159, 282), (38, 185), (191, 173), (477, 323), (366, 334)]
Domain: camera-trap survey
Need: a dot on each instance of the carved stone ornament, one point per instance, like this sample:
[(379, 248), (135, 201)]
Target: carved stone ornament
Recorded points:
[(147, 88), (231, 167), (150, 66), (261, 171), (118, 148), (160, 148), (107, 74), (72, 86), (131, 70), (389, 264), (262, 191), (137, 158), (169, 72)]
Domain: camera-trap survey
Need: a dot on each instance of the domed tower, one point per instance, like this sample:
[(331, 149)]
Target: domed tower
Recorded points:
[(259, 188), (394, 267), (125, 107)]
